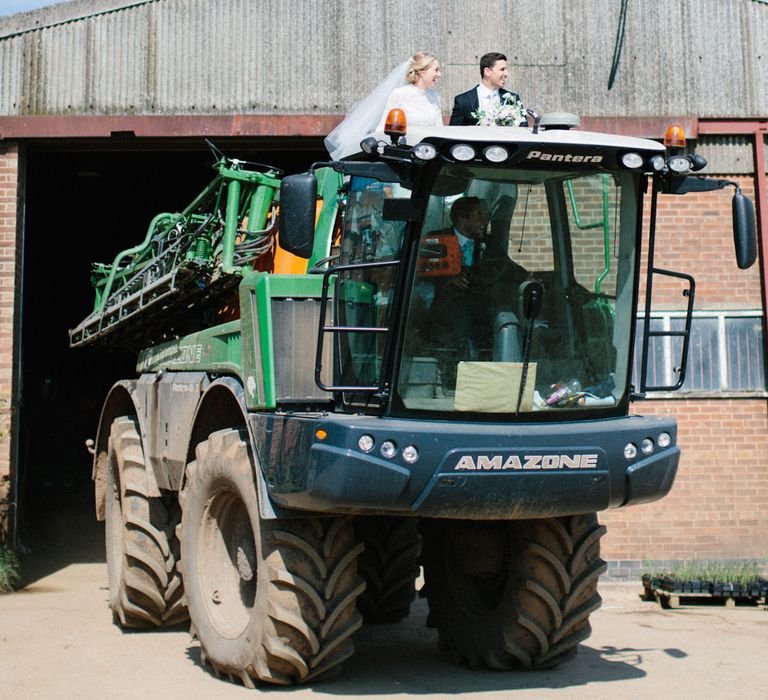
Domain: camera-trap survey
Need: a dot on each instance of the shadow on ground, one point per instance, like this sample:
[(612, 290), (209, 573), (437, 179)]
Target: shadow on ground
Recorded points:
[(60, 529), (404, 658)]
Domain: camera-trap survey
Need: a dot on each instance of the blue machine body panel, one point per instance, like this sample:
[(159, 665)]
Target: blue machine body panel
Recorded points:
[(313, 462)]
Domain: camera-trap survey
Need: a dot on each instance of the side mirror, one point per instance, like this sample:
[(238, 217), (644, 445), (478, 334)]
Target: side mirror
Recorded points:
[(744, 238), (298, 200), (531, 296)]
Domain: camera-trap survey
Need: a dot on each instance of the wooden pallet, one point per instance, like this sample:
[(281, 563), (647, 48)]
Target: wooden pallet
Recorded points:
[(671, 599)]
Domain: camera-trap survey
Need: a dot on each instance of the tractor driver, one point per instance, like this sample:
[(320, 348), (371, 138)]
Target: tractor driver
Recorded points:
[(469, 219), (460, 308)]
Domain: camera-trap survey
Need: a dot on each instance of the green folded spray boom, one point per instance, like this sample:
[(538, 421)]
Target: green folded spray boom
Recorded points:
[(191, 259)]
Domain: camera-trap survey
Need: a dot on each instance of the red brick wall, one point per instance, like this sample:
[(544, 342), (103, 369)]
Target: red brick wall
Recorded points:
[(718, 507), (694, 235), (11, 204)]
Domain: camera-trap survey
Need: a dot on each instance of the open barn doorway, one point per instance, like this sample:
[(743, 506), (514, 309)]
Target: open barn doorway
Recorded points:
[(86, 203)]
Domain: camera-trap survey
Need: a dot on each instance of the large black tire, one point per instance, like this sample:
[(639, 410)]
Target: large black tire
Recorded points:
[(269, 600), (513, 595), (389, 565), (145, 587)]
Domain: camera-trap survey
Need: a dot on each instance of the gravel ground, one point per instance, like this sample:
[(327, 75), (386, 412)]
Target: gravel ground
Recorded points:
[(57, 640)]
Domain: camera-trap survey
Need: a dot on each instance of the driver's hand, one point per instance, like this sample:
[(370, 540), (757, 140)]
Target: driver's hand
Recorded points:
[(461, 281)]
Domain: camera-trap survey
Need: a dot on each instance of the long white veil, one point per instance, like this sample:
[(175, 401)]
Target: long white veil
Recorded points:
[(363, 118)]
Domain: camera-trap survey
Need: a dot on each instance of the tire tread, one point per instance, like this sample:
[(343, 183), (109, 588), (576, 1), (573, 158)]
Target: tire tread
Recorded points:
[(304, 612), (147, 590), (550, 591)]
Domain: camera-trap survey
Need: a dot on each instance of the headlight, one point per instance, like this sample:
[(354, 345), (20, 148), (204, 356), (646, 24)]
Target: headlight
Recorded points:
[(664, 440), (646, 446), (679, 164), (630, 450), (388, 449), (424, 151), (410, 454), (657, 163), (461, 151), (632, 160), (369, 145), (496, 154), (365, 443)]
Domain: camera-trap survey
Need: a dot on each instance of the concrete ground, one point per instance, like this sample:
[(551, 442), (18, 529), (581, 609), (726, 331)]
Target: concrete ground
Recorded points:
[(57, 640)]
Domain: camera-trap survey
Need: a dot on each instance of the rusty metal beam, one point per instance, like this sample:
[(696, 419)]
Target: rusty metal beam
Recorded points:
[(180, 126), (644, 127), (731, 127), (157, 126)]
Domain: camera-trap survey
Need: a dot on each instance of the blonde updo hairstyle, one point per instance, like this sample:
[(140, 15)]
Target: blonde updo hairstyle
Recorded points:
[(420, 61)]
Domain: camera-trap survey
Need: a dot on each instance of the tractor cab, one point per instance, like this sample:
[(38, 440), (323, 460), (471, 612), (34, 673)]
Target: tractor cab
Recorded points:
[(509, 287), (493, 272)]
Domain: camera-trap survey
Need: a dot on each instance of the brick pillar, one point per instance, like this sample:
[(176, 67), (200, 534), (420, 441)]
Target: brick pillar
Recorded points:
[(11, 206)]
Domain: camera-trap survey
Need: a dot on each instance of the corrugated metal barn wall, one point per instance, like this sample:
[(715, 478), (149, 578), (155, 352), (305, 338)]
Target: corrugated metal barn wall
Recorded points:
[(706, 58), (729, 155)]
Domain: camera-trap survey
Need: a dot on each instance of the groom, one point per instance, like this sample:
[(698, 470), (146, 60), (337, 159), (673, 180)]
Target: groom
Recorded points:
[(485, 96)]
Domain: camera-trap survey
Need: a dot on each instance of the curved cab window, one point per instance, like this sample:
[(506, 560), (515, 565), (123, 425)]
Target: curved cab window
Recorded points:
[(522, 294)]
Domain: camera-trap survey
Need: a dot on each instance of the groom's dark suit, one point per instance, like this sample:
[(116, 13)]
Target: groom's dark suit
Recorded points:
[(467, 102)]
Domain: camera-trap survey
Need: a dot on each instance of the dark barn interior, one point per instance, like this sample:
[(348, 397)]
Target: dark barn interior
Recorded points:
[(85, 203)]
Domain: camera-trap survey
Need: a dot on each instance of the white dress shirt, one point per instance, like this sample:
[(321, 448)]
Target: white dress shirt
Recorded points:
[(487, 98)]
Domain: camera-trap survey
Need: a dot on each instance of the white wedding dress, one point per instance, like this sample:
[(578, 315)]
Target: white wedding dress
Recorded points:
[(421, 107)]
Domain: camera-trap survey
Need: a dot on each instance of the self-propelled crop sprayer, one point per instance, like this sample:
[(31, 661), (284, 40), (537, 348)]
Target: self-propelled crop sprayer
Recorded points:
[(332, 393)]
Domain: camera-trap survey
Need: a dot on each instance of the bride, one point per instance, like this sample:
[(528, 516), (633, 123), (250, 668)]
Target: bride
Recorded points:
[(410, 87)]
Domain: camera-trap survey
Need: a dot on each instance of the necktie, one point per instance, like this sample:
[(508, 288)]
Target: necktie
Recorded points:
[(467, 253)]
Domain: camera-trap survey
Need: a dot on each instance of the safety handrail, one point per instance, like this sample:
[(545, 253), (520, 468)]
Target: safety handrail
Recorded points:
[(604, 223)]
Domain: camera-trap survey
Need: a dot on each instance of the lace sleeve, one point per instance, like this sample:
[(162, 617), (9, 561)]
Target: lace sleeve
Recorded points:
[(434, 98)]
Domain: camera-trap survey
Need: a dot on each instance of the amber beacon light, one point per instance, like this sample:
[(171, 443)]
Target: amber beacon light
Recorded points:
[(395, 124), (674, 136)]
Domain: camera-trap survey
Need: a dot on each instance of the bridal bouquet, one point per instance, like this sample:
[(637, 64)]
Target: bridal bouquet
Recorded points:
[(508, 112)]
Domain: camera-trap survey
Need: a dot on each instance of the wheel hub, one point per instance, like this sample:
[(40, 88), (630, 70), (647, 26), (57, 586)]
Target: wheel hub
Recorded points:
[(227, 563)]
